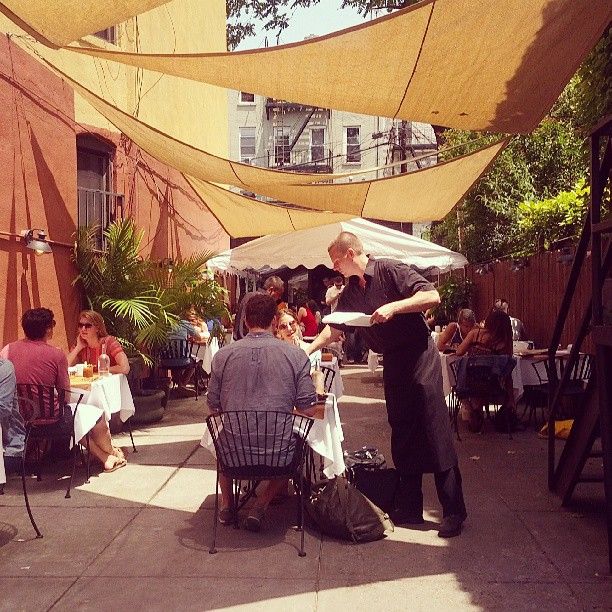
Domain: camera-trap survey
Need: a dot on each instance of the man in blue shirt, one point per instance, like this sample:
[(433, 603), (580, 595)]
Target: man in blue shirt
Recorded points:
[(259, 373), (13, 431)]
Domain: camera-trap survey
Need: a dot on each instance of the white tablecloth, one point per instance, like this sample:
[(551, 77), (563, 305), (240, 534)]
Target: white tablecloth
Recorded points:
[(325, 438), (210, 350), (372, 361), (112, 394)]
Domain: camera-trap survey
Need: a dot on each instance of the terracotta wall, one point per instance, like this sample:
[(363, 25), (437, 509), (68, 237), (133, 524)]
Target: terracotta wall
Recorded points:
[(38, 189)]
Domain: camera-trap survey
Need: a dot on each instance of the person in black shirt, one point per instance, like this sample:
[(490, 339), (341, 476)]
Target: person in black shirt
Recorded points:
[(421, 440)]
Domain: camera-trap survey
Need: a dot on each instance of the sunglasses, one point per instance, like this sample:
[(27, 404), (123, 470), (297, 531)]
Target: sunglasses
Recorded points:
[(287, 326), (85, 325)]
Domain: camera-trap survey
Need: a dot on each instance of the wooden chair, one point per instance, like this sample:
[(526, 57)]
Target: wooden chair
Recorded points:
[(255, 445)]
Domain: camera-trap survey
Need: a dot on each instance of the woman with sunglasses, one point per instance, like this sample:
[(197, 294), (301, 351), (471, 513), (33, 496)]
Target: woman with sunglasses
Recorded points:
[(91, 337), (288, 328)]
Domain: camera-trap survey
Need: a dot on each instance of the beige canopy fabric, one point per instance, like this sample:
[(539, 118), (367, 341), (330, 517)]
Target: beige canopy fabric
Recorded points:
[(59, 22), (468, 64), (425, 195), (241, 216)]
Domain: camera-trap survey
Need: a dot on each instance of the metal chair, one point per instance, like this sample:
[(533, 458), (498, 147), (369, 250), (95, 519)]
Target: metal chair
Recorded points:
[(574, 393), (257, 445), (329, 376), (46, 415), (485, 378), (536, 396), (453, 402), (178, 356)]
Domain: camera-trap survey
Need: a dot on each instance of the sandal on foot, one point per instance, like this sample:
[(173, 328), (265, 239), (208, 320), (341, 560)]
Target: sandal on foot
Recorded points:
[(118, 464)]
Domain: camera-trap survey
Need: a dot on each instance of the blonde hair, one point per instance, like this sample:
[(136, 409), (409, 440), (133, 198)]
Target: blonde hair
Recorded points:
[(290, 313), (345, 241), (95, 318)]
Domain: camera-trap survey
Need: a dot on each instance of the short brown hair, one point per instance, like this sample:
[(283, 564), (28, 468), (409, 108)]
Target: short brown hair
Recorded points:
[(260, 311), (95, 318), (345, 241)]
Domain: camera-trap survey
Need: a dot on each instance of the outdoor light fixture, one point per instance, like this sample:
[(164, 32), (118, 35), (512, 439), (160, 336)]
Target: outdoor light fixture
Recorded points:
[(37, 243)]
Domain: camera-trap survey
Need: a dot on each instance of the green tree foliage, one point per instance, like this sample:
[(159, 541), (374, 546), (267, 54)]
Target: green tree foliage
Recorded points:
[(140, 301), (455, 294), (274, 15), (543, 222), (552, 159)]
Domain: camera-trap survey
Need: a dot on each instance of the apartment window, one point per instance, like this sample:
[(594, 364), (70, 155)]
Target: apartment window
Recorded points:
[(282, 153), (247, 98), (317, 144), (97, 205), (247, 144), (352, 145), (109, 35)]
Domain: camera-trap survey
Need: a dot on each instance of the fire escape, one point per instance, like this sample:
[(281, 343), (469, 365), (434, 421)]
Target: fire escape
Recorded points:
[(291, 159)]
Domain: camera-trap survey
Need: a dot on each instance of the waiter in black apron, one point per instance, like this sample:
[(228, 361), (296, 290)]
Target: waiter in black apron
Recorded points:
[(421, 440)]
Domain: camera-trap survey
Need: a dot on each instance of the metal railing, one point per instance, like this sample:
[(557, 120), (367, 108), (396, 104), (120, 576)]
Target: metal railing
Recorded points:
[(97, 208), (318, 159)]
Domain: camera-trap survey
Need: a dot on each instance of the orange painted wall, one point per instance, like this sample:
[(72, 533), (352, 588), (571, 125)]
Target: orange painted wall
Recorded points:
[(38, 189)]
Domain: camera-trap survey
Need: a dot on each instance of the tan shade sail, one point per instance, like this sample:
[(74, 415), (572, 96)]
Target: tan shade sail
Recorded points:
[(59, 22), (241, 216), (467, 64), (425, 195)]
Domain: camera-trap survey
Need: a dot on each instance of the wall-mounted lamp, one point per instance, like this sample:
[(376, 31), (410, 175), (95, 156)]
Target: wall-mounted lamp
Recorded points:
[(37, 243), (35, 239)]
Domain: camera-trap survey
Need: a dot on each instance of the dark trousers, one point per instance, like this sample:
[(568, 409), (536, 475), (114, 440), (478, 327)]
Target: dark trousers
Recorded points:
[(448, 486)]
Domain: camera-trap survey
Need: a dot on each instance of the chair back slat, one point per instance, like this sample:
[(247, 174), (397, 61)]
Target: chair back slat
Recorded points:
[(177, 353), (44, 402), (264, 442), (329, 375)]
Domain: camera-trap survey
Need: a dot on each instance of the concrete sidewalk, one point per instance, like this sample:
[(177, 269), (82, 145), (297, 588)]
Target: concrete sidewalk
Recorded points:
[(138, 538)]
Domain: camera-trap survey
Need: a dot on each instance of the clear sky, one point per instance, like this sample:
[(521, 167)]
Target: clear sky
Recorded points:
[(325, 17)]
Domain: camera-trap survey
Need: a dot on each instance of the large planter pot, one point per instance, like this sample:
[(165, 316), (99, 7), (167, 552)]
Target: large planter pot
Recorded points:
[(149, 406)]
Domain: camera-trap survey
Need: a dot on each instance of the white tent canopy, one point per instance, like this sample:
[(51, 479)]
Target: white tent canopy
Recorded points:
[(309, 248)]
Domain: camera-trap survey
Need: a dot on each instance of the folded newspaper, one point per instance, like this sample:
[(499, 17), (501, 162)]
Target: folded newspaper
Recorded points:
[(356, 319)]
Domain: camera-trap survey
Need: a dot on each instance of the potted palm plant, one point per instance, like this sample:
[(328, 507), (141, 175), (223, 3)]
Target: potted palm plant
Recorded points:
[(142, 301)]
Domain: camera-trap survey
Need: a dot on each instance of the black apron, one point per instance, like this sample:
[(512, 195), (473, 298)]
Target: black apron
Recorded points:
[(421, 437)]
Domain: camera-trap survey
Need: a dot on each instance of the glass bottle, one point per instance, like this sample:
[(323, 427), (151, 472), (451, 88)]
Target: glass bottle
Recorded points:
[(103, 362)]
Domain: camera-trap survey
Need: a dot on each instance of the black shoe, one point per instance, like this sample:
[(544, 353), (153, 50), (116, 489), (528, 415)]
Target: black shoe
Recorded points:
[(400, 516), (451, 525)]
